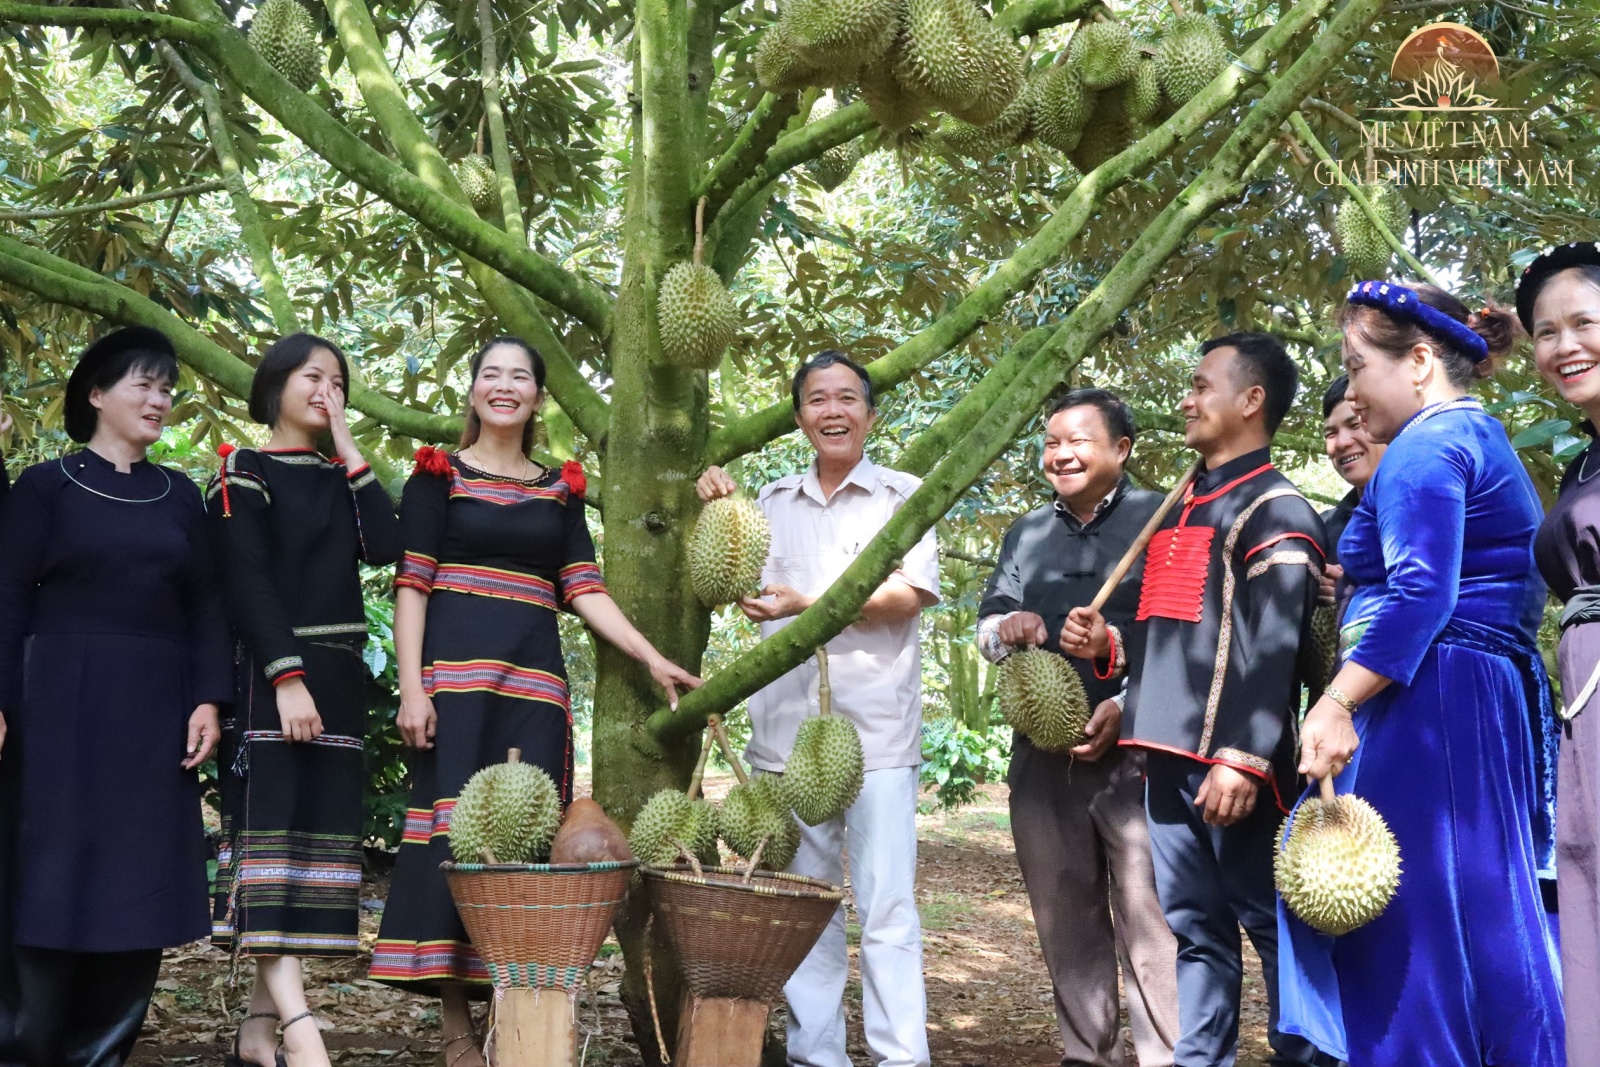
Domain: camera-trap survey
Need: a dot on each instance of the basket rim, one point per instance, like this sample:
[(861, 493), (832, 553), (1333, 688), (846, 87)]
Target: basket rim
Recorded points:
[(813, 888), (602, 867)]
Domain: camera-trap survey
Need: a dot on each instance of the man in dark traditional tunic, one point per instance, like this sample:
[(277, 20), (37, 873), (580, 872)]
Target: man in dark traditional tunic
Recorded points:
[(1078, 816), (1230, 582)]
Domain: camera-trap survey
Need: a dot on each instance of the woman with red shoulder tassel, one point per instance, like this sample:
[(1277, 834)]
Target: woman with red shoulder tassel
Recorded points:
[(293, 526), (495, 544)]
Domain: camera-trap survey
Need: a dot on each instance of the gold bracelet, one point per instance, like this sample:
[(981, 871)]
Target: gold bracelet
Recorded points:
[(1338, 696)]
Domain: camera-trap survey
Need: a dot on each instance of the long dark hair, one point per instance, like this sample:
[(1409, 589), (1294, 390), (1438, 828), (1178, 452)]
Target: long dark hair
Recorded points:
[(474, 426), (287, 355)]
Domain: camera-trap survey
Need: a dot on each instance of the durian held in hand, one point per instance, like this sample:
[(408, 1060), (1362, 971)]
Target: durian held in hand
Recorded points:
[(1338, 864), (754, 819), (1042, 698), (826, 769), (695, 313), (509, 812), (727, 550), (673, 824)]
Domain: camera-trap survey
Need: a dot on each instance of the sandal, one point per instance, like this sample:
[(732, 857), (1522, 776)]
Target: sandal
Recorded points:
[(233, 1059), (470, 1037), (283, 1058)]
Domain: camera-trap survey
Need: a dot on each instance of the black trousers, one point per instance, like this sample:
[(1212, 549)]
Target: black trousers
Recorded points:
[(81, 1009)]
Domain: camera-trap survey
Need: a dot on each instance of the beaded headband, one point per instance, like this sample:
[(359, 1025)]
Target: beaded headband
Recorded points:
[(1403, 303)]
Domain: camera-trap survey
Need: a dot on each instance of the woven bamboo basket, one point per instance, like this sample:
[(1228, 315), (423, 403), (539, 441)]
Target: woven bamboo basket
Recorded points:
[(739, 939), (538, 925)]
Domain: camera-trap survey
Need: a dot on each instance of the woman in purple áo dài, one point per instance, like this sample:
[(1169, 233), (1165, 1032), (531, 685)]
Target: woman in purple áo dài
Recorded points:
[(292, 527), (1558, 300)]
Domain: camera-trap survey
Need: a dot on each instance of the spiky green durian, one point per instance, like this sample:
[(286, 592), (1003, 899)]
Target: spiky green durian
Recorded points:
[(511, 810), (983, 143), (1320, 655), (697, 316), (284, 34), (780, 68), (727, 550), (1108, 131), (1061, 107), (896, 107), (1143, 93), (756, 812), (1003, 76), (824, 772), (669, 819), (1363, 246), (1105, 54), (836, 164), (835, 33), (478, 181), (1191, 53), (1042, 697), (1340, 865), (956, 59)]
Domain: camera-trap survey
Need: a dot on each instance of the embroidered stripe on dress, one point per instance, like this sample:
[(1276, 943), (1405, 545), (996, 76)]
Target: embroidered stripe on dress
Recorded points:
[(416, 570), (495, 582), (494, 676), (580, 578)]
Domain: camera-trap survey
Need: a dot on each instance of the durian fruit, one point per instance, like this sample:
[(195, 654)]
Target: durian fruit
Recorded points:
[(1363, 246), (1143, 93), (1105, 54), (1061, 107), (755, 812), (1004, 76), (836, 164), (834, 33), (1190, 54), (509, 811), (896, 107), (983, 143), (1108, 131), (668, 819), (1339, 866), (825, 770), (284, 34), (1042, 697), (478, 181), (957, 60), (695, 313), (727, 550), (1320, 656), (779, 67)]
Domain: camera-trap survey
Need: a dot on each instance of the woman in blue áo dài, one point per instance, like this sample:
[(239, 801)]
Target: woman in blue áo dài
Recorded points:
[(1439, 715)]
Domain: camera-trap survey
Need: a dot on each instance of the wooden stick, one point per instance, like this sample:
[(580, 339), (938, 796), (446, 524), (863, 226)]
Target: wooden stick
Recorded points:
[(700, 768), (755, 858), (723, 743), (1143, 540)]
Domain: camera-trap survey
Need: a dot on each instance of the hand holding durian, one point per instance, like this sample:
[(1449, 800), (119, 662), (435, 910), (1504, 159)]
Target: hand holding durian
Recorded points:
[(1338, 864)]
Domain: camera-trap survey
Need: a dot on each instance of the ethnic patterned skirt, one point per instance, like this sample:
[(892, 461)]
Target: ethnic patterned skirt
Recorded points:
[(492, 665), (289, 871)]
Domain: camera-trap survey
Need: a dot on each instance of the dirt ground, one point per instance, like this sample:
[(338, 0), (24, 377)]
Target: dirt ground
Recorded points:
[(989, 1000)]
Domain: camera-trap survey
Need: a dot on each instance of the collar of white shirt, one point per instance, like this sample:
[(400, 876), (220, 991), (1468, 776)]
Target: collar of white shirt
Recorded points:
[(865, 474)]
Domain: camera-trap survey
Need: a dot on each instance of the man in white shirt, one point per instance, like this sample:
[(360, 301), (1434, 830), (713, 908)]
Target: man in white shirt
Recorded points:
[(821, 520)]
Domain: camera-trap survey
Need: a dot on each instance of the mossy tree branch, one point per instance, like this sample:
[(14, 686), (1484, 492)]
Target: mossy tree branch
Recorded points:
[(448, 219), (52, 278), (1220, 180), (499, 147), (1045, 247), (756, 137), (121, 203), (145, 24)]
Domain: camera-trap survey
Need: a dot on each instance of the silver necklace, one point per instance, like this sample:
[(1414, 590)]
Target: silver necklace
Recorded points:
[(1584, 473), (119, 499)]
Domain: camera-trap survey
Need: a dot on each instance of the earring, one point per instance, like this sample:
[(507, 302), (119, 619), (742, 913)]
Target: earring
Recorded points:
[(1419, 388)]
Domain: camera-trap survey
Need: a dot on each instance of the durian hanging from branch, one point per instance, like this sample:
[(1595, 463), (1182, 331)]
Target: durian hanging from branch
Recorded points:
[(284, 34), (697, 316), (836, 164), (825, 769), (477, 177)]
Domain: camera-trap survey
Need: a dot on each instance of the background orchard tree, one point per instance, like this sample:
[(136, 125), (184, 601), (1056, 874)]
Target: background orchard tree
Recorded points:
[(155, 168)]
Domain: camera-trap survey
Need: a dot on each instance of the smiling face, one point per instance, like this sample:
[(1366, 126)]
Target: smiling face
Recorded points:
[(1354, 453), (1383, 392), (834, 415), (1566, 338), (133, 410), (1081, 460), (1217, 407), (303, 403), (505, 394)]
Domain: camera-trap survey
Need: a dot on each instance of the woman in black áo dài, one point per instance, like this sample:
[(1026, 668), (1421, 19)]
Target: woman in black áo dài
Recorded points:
[(113, 659), (495, 544), (293, 527)]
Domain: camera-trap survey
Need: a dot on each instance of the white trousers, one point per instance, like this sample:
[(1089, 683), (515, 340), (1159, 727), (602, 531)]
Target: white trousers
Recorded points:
[(882, 829)]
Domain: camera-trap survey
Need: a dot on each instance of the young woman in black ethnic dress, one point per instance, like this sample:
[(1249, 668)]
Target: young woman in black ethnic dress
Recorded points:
[(293, 527), (494, 545), (113, 659)]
